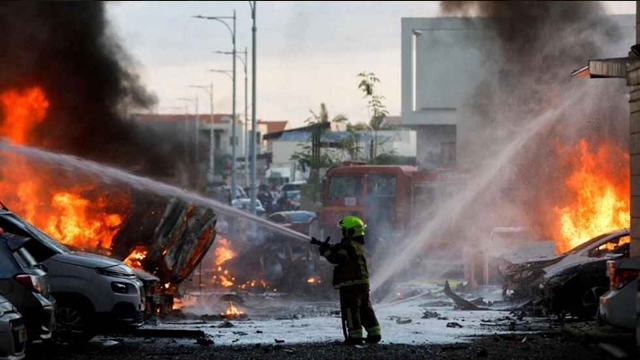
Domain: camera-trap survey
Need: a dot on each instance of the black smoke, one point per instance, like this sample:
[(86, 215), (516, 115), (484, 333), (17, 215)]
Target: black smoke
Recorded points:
[(71, 52), (539, 44)]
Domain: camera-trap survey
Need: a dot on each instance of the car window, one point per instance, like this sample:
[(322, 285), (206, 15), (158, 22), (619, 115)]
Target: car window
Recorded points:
[(278, 218), (618, 245), (345, 186), (9, 267), (24, 258)]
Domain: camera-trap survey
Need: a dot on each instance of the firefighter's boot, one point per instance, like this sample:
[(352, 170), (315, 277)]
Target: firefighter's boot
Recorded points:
[(373, 339)]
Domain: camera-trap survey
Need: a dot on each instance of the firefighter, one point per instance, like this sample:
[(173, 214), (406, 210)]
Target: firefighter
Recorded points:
[(351, 277)]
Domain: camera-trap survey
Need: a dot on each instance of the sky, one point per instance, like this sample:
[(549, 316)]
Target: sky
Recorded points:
[(308, 52)]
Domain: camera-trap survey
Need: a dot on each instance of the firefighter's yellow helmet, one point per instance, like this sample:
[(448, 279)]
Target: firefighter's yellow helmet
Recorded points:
[(352, 225)]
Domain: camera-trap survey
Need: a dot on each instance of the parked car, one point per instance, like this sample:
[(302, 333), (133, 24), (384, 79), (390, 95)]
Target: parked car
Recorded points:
[(293, 186), (245, 204), (287, 201), (618, 305), (24, 283), (571, 282), (13, 333), (299, 221), (93, 293)]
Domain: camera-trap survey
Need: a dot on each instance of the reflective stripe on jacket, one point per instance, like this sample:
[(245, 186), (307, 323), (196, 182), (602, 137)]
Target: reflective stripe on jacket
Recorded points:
[(351, 264)]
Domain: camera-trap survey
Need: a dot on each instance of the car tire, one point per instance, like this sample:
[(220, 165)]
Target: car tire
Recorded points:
[(74, 322)]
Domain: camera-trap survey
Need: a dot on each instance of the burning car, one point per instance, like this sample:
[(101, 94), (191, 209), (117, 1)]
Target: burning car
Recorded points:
[(571, 282)]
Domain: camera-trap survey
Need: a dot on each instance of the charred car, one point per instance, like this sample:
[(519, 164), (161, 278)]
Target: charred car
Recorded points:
[(570, 283)]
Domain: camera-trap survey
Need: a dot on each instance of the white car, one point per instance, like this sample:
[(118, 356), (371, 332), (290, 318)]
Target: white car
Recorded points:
[(619, 306), (13, 333), (93, 293)]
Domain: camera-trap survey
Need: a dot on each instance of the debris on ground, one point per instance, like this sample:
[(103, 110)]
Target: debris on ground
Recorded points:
[(278, 341), (204, 341), (430, 315), (402, 321), (226, 324), (453, 325)]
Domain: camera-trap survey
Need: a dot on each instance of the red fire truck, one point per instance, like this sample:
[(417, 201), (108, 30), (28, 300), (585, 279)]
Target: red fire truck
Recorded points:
[(391, 199)]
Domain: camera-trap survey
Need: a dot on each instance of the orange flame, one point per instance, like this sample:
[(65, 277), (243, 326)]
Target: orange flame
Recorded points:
[(232, 310), (135, 258), (23, 110), (600, 187), (223, 252), (73, 214), (313, 280)]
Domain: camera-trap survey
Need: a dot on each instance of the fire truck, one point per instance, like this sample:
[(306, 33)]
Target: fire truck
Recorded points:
[(391, 199)]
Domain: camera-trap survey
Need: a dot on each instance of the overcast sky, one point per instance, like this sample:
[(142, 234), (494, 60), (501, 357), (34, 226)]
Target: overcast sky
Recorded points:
[(308, 52)]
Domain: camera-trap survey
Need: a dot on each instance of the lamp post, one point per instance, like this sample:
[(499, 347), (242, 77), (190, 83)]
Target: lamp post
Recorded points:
[(232, 31), (246, 111), (253, 107), (211, 173)]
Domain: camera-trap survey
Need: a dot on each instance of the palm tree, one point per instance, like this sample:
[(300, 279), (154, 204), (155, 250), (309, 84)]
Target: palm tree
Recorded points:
[(367, 85)]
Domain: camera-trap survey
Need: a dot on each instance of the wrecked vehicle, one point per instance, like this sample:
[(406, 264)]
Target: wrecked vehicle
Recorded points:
[(570, 283), (618, 305), (284, 265), (163, 240), (89, 289)]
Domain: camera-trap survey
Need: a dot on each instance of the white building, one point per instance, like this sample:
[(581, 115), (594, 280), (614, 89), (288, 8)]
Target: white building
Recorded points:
[(441, 65), (394, 142)]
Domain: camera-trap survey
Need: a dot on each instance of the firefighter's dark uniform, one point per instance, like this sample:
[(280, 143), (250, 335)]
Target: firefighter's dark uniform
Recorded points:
[(351, 277)]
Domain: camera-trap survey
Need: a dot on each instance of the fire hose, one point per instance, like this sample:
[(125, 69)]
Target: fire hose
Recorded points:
[(343, 319)]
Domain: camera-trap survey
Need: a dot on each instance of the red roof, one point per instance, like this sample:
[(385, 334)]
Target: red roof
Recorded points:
[(274, 126), (205, 118)]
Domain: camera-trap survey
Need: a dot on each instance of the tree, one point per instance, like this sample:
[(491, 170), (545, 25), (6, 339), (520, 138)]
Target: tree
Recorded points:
[(368, 80), (314, 159)]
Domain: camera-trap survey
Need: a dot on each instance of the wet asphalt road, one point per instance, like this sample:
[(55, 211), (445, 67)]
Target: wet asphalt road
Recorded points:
[(549, 346)]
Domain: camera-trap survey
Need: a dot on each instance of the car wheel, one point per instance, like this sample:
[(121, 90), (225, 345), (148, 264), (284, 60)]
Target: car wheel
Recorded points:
[(73, 323), (590, 302)]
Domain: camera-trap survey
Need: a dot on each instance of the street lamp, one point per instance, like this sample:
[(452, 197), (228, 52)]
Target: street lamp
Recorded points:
[(246, 112), (211, 174), (253, 107), (232, 31)]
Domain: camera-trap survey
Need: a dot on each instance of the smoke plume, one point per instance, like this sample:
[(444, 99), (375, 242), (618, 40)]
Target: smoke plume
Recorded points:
[(516, 123), (539, 44), (69, 50)]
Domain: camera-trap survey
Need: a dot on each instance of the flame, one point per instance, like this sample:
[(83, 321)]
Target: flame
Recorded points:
[(135, 259), (23, 110), (222, 251), (74, 211), (313, 280), (225, 282), (232, 310), (599, 184)]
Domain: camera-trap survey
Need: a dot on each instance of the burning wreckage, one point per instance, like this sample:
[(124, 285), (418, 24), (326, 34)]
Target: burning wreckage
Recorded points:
[(570, 283), (167, 242)]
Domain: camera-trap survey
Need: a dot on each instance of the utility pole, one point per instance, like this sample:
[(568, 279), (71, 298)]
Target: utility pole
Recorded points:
[(232, 30), (246, 110), (253, 107)]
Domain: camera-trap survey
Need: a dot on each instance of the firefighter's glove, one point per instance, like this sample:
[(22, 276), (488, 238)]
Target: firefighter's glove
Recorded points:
[(324, 247)]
